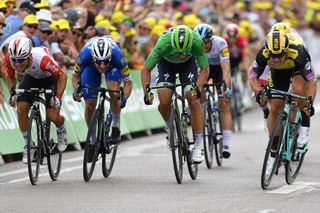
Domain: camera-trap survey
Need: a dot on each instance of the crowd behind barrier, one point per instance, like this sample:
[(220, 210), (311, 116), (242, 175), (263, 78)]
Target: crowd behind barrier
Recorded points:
[(64, 26)]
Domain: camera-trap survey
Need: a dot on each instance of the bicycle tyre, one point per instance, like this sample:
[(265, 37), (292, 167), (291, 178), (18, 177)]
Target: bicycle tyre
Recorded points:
[(290, 172), (107, 165), (236, 110), (95, 128), (34, 145), (208, 140), (54, 156), (218, 137), (265, 181), (192, 167), (176, 145)]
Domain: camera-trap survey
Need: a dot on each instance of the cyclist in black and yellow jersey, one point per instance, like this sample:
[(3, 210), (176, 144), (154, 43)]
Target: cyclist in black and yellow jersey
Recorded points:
[(289, 62)]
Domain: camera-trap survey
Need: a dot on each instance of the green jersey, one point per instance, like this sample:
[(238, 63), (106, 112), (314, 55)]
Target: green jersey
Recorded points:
[(164, 49)]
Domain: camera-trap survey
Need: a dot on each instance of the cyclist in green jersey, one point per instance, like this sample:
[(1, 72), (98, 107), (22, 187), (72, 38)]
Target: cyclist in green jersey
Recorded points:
[(180, 51)]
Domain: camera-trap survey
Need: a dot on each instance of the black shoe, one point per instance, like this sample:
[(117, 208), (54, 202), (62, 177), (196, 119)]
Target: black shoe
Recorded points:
[(90, 152), (225, 152), (115, 135)]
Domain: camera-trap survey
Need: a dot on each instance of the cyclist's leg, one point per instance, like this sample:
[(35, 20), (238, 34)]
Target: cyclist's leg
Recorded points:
[(299, 87), (114, 80), (166, 72), (90, 77), (189, 74), (225, 112)]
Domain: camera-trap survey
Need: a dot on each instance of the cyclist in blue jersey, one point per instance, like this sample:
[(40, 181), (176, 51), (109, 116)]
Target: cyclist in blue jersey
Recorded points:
[(101, 55)]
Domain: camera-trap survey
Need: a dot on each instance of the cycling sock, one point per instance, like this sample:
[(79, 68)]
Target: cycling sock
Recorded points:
[(116, 120), (198, 140), (204, 106), (61, 129), (305, 119), (226, 137), (25, 137)]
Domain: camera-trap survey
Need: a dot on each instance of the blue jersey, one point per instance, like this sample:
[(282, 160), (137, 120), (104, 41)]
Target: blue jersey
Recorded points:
[(117, 63)]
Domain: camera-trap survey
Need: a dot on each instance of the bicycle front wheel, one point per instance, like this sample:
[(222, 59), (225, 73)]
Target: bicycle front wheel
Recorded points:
[(54, 156), (218, 136), (293, 166), (176, 145), (91, 151), (34, 145), (208, 135), (192, 167), (273, 152), (108, 160)]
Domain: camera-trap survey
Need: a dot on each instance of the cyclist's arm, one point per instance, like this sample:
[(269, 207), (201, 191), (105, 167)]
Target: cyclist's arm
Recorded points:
[(145, 77), (11, 79), (225, 65), (254, 82), (203, 77), (61, 84), (256, 70)]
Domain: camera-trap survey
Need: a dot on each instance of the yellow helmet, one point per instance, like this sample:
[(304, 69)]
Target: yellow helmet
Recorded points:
[(276, 43), (281, 26)]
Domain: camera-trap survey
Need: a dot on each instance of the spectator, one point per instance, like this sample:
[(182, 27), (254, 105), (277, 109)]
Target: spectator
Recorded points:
[(2, 22), (11, 5), (42, 35), (43, 5), (44, 15), (3, 8), (13, 22), (30, 26)]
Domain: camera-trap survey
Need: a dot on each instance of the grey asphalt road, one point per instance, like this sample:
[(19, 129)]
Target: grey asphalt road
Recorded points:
[(143, 181)]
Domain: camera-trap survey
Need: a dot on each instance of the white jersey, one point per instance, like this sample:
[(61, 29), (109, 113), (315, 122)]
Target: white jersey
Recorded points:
[(43, 65), (219, 51)]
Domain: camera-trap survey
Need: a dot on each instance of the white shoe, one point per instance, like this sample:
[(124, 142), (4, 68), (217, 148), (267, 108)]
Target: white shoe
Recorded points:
[(197, 156), (25, 153), (62, 140), (225, 151), (303, 138)]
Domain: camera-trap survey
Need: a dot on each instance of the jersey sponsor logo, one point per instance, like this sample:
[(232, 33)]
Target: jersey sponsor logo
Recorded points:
[(166, 76), (125, 71), (276, 44), (225, 52), (52, 67), (190, 76), (76, 67), (307, 66)]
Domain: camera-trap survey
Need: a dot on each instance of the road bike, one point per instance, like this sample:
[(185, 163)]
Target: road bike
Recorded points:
[(98, 143), (282, 147), (181, 135), (212, 134), (42, 138)]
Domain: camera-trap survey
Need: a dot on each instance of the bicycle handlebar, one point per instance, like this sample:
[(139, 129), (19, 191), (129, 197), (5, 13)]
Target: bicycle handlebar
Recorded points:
[(34, 90)]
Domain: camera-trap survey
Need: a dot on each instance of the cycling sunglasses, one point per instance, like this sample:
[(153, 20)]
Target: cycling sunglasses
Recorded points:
[(19, 60), (99, 62), (278, 56)]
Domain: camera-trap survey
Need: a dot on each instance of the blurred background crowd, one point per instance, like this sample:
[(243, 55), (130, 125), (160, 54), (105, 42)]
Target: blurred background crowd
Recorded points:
[(64, 26)]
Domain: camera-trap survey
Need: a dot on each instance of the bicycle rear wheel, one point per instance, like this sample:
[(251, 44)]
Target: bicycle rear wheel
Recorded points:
[(54, 157), (273, 152), (192, 167), (293, 166), (34, 147), (236, 109), (91, 151), (208, 134), (176, 145)]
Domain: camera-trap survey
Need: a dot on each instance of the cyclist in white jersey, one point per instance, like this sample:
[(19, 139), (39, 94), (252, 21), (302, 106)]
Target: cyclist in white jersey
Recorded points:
[(40, 71), (216, 49)]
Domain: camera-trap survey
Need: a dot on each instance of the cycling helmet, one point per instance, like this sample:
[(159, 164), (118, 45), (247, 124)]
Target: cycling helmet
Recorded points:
[(281, 26), (277, 43), (181, 38), (20, 47), (101, 50), (204, 30), (232, 30)]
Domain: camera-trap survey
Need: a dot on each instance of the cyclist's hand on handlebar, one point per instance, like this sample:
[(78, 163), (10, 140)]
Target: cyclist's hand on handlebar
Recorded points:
[(55, 102), (148, 98), (76, 96), (197, 91), (13, 98), (261, 98), (309, 108), (123, 100)]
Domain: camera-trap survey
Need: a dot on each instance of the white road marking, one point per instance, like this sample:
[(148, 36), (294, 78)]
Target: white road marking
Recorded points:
[(128, 152), (266, 210), (287, 189)]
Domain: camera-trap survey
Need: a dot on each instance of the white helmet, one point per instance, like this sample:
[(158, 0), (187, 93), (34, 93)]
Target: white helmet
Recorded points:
[(101, 50), (20, 47)]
